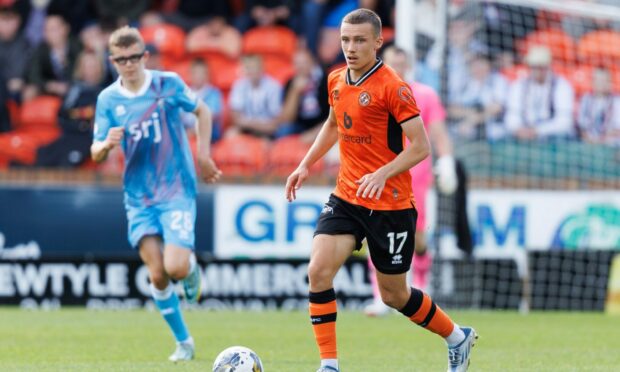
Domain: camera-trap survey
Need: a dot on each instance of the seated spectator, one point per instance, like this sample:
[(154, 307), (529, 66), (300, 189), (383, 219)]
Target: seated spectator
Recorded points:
[(215, 35), (323, 13), (255, 101), (540, 106), (269, 13), (461, 42), (14, 54), (477, 111), (329, 49), (94, 39), (599, 112), (305, 98), (200, 84), (76, 116), (52, 62)]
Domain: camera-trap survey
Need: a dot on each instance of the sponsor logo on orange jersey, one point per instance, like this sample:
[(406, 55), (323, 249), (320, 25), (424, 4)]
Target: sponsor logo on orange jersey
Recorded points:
[(366, 140)]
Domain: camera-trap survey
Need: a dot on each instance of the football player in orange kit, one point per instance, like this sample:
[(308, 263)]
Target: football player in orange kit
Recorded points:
[(372, 112)]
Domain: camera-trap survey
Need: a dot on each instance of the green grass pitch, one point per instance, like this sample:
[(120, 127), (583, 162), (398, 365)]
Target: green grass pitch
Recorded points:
[(83, 340)]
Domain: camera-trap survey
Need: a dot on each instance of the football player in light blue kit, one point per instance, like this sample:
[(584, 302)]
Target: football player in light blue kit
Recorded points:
[(141, 113)]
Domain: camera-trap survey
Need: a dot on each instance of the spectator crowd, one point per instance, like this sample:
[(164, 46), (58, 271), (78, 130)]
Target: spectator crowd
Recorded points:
[(510, 73)]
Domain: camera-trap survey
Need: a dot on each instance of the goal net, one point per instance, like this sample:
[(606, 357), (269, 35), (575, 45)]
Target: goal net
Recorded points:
[(532, 91)]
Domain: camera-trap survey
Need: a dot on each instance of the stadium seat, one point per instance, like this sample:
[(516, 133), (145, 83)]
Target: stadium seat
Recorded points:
[(224, 71), (241, 155), (196, 46), (562, 46), (285, 155), (546, 19), (388, 34), (270, 40), (39, 112), (169, 39), (615, 72), (278, 68), (600, 48), (580, 78), (14, 112), (37, 126), (181, 67), (4, 162)]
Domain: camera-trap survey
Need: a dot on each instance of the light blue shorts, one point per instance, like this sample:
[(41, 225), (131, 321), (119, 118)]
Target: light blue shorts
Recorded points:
[(174, 221)]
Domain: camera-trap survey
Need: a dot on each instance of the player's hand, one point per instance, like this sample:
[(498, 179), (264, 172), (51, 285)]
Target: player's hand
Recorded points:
[(208, 170), (114, 137), (447, 182), (294, 182), (371, 185)]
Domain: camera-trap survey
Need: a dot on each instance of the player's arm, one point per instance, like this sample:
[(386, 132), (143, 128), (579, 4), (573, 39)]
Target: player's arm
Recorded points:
[(99, 149), (106, 135), (327, 137), (372, 184), (208, 169)]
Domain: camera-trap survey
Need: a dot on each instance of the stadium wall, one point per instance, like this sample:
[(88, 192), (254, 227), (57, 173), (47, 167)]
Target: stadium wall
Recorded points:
[(68, 247)]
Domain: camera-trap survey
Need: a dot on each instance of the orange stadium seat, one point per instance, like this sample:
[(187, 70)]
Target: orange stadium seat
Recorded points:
[(37, 126), (270, 40), (241, 155), (562, 46), (547, 19), (615, 72), (195, 44), (600, 48), (169, 39), (388, 34), (181, 67), (285, 155), (223, 71), (580, 78), (278, 68), (39, 112)]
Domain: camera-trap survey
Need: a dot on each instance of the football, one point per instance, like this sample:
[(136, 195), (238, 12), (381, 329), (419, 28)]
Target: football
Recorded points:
[(237, 359)]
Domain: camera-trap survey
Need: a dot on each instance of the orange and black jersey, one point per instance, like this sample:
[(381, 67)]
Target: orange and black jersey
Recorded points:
[(369, 114)]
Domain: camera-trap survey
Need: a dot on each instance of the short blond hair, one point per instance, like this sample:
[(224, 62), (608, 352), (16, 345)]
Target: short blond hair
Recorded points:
[(362, 15), (125, 37)]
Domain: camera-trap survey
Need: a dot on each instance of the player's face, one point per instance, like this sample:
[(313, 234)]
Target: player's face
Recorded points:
[(129, 62), (359, 45)]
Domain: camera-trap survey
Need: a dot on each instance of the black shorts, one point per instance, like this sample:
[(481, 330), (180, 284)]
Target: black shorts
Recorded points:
[(390, 234)]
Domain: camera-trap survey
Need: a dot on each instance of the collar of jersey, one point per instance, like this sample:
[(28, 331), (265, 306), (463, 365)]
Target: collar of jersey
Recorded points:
[(148, 77), (364, 77)]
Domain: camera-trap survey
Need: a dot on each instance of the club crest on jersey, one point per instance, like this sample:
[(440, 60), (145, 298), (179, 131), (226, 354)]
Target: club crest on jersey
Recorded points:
[(364, 99), (120, 110)]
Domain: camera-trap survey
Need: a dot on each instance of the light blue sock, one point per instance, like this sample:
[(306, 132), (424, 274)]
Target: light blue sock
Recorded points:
[(167, 302)]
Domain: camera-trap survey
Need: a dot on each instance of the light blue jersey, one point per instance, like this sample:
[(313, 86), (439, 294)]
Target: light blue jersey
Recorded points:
[(159, 179), (158, 162)]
